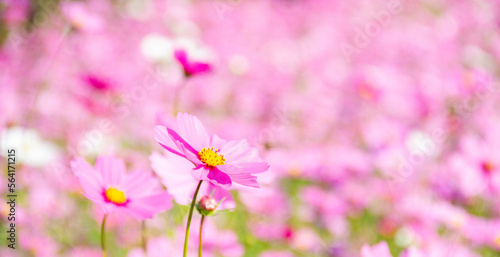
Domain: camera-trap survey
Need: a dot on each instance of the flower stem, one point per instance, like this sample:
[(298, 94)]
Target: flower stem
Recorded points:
[(201, 233), (186, 238), (103, 236)]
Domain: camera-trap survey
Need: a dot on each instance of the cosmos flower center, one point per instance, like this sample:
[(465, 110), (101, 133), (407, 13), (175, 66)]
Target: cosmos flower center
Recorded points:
[(487, 167), (211, 157), (116, 196)]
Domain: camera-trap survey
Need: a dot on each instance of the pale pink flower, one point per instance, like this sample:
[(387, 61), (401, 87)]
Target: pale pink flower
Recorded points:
[(108, 185), (216, 160)]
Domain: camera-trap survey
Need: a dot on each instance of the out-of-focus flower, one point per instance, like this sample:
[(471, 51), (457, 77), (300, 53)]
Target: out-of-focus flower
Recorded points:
[(15, 11), (157, 48), (216, 160), (109, 186), (31, 148), (217, 242), (382, 250), (378, 250), (189, 66), (96, 82), (276, 254), (81, 17), (156, 247), (85, 252)]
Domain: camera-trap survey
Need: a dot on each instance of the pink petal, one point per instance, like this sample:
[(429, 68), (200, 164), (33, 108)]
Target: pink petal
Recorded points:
[(112, 170), (147, 206), (239, 176), (90, 179), (217, 142), (140, 183), (192, 130), (200, 172), (109, 207), (193, 157), (175, 144), (163, 137), (181, 56), (219, 178), (245, 180), (248, 167), (182, 145), (240, 151), (198, 67), (175, 174)]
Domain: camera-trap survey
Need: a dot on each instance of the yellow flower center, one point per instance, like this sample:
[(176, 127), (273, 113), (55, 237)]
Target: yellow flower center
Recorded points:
[(211, 157), (116, 196)]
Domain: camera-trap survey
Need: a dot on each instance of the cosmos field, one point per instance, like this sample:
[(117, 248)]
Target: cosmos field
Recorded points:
[(230, 128)]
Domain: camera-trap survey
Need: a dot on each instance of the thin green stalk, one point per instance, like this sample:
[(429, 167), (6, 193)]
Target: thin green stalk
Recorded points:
[(186, 238), (201, 233), (103, 236)]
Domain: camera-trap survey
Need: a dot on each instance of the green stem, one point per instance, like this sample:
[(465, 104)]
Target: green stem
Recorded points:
[(103, 236), (201, 233), (186, 238)]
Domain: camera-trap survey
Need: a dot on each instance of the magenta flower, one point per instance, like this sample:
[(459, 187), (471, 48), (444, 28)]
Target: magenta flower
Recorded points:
[(216, 160), (108, 185), (96, 83), (191, 67)]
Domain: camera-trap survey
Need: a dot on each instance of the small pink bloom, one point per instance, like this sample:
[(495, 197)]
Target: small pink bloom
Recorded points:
[(191, 67), (216, 160), (96, 82), (81, 16), (108, 185)]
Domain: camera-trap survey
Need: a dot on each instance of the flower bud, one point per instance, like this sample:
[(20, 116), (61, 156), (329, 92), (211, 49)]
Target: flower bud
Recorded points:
[(207, 205)]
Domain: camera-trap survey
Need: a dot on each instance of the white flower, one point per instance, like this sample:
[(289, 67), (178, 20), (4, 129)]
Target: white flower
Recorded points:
[(31, 149), (157, 48)]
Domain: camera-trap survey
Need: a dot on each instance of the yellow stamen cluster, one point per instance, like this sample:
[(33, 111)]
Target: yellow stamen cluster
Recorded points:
[(211, 157), (116, 196)]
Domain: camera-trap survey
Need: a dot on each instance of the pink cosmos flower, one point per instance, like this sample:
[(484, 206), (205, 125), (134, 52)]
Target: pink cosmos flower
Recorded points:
[(108, 185), (216, 160), (174, 174), (191, 67)]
